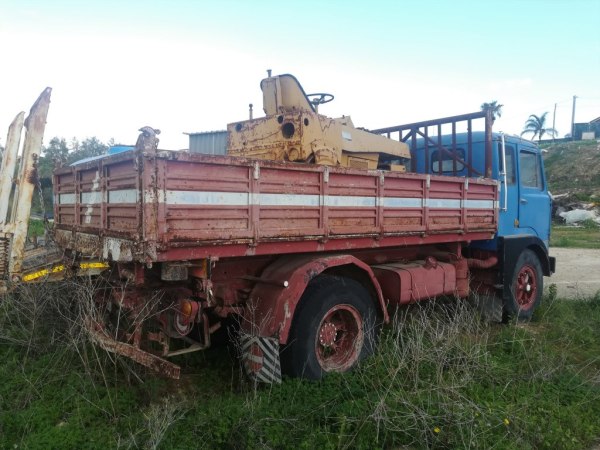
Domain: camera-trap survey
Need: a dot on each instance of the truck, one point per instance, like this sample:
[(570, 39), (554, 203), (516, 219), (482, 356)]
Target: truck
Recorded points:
[(308, 233)]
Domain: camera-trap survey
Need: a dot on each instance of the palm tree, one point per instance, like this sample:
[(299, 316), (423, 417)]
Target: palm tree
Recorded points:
[(495, 107), (537, 126)]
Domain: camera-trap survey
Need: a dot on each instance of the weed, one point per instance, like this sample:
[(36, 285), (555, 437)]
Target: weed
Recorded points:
[(36, 228), (587, 236), (442, 378)]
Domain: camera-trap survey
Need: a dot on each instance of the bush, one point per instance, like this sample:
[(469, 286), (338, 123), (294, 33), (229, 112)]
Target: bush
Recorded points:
[(442, 378)]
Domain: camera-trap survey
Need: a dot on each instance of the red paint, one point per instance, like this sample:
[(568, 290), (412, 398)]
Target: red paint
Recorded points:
[(340, 338), (171, 232), (526, 287), (242, 255), (418, 280), (271, 308)]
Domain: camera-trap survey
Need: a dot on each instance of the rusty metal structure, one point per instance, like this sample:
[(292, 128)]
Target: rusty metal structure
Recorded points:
[(306, 233), (14, 228), (430, 131), (293, 130), (18, 261)]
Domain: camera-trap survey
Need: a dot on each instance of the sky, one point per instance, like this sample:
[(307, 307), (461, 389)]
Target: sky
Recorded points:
[(187, 66)]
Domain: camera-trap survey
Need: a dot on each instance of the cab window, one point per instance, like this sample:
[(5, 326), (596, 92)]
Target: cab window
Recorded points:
[(447, 161), (530, 170), (510, 163)]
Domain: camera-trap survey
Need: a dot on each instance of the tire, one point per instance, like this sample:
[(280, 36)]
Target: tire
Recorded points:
[(526, 287), (335, 326)]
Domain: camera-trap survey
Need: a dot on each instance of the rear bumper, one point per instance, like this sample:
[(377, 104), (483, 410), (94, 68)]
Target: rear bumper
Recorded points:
[(100, 337), (103, 247)]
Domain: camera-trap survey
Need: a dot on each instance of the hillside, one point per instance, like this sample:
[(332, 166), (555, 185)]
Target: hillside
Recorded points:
[(573, 167)]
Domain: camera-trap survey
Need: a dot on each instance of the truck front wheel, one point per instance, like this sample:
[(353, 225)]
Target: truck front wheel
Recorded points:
[(334, 327), (526, 287)]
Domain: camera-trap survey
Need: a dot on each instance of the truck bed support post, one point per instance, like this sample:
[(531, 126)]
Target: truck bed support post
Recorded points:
[(35, 124), (488, 142), (9, 162)]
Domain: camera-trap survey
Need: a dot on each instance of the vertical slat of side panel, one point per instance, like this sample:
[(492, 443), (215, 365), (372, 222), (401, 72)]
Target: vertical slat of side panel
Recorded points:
[(151, 190), (253, 207), (380, 204), (324, 207), (103, 205), (463, 212), (77, 196), (426, 185)]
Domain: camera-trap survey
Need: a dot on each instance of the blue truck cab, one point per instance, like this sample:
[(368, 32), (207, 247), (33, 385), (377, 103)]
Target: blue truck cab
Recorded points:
[(525, 205), (518, 252)]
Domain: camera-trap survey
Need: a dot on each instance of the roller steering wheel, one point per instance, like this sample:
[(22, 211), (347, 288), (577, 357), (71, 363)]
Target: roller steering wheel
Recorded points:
[(319, 98)]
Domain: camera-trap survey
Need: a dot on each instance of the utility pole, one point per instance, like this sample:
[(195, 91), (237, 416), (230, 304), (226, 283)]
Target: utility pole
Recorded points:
[(573, 119), (554, 124)]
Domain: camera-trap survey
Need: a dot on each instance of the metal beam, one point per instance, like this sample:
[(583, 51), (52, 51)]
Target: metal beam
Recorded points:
[(9, 161), (27, 178)]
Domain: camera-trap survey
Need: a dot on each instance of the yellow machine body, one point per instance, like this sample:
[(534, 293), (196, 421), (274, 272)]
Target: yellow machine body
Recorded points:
[(293, 130)]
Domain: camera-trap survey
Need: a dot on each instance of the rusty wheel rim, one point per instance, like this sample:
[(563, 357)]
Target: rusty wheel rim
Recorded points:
[(339, 338), (526, 287)]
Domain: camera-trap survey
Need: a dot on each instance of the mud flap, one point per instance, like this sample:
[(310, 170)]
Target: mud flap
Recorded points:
[(260, 357), (489, 306)]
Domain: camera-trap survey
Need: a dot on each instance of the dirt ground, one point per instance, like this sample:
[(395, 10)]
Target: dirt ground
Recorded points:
[(577, 272)]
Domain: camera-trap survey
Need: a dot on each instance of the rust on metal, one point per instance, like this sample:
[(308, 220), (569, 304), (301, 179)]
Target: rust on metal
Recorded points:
[(413, 130), (273, 314), (147, 140), (489, 121), (198, 206), (105, 341), (9, 161), (35, 123), (272, 225), (293, 130)]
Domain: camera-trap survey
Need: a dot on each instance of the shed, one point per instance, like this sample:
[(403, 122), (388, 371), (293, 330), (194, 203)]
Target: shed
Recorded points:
[(208, 142), (589, 130)]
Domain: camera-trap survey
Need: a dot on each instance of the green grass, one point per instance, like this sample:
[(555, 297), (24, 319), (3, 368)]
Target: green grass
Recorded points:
[(441, 379), (586, 236), (36, 228), (573, 167)]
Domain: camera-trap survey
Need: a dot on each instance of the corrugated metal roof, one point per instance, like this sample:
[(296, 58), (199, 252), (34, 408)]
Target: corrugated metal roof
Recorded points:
[(193, 133), (209, 142)]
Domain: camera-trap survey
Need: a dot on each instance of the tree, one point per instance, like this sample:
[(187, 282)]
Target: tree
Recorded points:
[(495, 107), (55, 153), (57, 149), (537, 126), (87, 148), (59, 152)]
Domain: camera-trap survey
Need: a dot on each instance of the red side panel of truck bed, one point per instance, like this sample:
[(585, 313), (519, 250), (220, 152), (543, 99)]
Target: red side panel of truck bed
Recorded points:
[(188, 206)]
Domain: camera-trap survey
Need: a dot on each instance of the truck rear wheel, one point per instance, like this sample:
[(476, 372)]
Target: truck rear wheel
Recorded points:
[(526, 287), (334, 327)]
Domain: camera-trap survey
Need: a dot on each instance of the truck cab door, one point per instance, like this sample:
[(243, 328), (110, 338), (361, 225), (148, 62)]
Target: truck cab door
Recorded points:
[(534, 200), (509, 191)]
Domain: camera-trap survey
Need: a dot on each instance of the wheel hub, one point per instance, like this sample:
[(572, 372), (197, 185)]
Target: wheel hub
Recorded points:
[(340, 338), (327, 334), (526, 289)]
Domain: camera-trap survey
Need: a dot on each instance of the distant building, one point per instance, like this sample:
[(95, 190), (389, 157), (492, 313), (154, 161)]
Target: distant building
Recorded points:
[(590, 130), (208, 142)]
